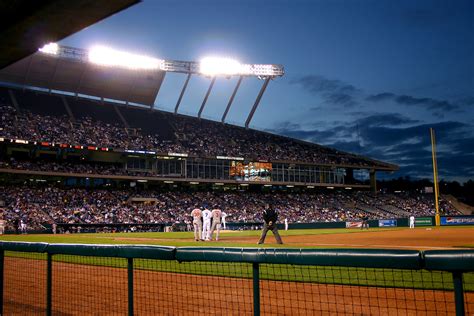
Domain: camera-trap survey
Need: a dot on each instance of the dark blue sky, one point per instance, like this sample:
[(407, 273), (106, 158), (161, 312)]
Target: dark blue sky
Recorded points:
[(364, 76)]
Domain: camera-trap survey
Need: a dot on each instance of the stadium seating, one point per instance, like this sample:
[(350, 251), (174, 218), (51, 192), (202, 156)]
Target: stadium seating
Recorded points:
[(44, 117), (38, 205)]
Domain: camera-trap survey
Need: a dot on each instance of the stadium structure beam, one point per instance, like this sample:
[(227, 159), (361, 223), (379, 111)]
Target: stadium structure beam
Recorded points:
[(231, 99), (182, 93), (56, 66), (27, 71), (79, 83), (129, 93), (257, 102), (206, 96), (158, 90)]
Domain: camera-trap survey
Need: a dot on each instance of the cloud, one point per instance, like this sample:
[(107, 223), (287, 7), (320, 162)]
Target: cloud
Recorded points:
[(332, 91), (398, 139), (384, 119), (436, 107), (380, 97), (335, 92)]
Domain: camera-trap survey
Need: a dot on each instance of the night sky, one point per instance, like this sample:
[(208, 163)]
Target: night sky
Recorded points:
[(369, 77)]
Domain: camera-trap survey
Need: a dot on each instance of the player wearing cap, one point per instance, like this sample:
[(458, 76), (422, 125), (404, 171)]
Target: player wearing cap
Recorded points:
[(206, 223), (197, 223), (216, 215)]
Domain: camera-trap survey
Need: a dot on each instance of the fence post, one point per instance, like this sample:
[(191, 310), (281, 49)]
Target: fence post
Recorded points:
[(2, 258), (256, 289), (458, 293), (130, 286), (49, 284)]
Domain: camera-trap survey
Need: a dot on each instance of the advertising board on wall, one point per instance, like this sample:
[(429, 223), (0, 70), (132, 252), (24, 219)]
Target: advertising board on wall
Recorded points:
[(458, 220), (423, 221), (387, 222), (353, 224)]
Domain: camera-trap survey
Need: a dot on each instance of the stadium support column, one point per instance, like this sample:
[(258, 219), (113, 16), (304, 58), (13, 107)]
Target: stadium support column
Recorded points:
[(257, 101), (67, 108), (373, 181), (231, 99), (182, 93), (206, 96), (14, 100), (122, 118)]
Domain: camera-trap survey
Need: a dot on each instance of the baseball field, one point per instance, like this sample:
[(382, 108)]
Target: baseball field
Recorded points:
[(98, 285), (421, 238)]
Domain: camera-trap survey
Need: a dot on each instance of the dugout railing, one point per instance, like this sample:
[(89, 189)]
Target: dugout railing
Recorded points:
[(73, 279)]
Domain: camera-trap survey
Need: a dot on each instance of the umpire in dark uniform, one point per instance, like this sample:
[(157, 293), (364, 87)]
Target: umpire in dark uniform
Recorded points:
[(270, 217)]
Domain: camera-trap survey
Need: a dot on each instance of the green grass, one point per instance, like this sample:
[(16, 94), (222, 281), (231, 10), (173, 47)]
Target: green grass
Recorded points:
[(181, 239), (313, 274), (418, 279)]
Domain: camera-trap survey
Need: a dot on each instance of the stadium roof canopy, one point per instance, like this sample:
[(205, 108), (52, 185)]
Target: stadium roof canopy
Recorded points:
[(26, 25), (78, 76), (111, 74)]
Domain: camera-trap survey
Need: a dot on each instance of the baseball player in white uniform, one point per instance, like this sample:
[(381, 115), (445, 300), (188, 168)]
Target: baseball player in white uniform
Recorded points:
[(23, 226), (223, 216), (216, 223), (197, 223), (206, 223), (412, 221), (2, 223)]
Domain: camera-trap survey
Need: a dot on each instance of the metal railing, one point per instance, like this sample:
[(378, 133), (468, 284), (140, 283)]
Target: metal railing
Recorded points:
[(41, 278)]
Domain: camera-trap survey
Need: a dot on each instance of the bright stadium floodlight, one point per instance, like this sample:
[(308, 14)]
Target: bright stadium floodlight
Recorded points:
[(213, 66), (50, 48), (105, 56)]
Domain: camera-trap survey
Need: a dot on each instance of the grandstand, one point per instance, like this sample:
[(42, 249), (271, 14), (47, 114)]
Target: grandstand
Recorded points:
[(53, 145), (84, 161)]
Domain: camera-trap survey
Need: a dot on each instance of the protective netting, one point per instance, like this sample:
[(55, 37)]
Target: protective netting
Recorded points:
[(89, 285), (210, 288), (84, 285), (24, 283)]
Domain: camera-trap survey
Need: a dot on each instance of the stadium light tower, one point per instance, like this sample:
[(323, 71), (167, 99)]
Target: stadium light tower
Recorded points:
[(212, 67)]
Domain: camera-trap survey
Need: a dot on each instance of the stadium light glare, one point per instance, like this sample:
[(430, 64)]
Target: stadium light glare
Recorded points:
[(50, 48), (213, 66), (106, 56)]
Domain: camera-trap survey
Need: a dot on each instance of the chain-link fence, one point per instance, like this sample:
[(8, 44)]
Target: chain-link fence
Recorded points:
[(56, 279)]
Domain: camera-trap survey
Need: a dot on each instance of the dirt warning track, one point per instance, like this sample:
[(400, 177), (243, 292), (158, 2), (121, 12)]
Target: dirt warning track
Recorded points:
[(97, 290)]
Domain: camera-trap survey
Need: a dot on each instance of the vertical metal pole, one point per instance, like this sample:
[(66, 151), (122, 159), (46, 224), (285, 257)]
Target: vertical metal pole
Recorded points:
[(458, 293), (257, 101), (130, 286), (231, 100), (49, 285), (2, 257), (206, 97), (435, 176), (256, 289), (181, 94)]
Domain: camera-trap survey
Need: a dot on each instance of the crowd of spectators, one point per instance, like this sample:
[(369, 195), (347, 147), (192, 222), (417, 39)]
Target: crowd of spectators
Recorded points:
[(37, 205), (87, 132), (192, 136)]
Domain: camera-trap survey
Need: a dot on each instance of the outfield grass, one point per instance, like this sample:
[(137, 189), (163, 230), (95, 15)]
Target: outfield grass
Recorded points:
[(181, 239), (392, 278), (314, 274)]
